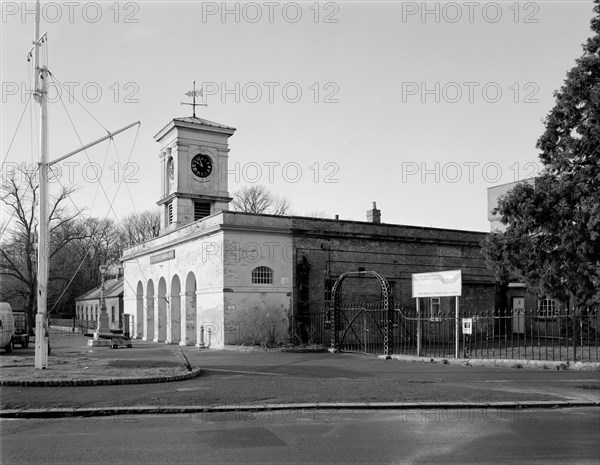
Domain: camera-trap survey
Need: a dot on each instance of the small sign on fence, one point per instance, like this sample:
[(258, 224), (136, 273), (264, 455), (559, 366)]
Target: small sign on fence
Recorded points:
[(467, 325)]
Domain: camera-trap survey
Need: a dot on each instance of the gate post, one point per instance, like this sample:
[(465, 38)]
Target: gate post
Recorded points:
[(387, 330), (574, 334), (333, 310), (387, 335)]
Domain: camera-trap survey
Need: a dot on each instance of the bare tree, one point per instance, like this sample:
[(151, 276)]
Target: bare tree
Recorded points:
[(138, 227), (100, 247), (77, 248), (18, 254), (258, 199), (105, 240), (318, 214)]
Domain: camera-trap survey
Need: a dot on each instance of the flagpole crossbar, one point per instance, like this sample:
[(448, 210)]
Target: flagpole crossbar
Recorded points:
[(110, 135)]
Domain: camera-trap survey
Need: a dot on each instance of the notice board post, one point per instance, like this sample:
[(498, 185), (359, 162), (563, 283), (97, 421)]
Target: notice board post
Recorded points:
[(456, 329), (418, 329), (437, 284)]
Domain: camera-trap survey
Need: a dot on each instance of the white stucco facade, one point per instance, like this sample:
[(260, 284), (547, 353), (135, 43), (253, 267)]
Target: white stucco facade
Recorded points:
[(195, 286)]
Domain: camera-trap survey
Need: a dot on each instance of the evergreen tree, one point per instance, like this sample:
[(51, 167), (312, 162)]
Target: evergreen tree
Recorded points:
[(552, 240)]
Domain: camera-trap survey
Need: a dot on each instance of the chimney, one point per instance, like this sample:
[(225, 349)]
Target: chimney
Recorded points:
[(374, 215)]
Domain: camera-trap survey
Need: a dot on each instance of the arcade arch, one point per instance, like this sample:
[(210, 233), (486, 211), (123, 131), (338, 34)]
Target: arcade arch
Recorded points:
[(160, 334), (174, 320), (149, 311), (137, 330), (189, 323)]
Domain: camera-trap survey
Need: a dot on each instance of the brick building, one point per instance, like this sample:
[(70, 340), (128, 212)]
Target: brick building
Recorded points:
[(332, 247)]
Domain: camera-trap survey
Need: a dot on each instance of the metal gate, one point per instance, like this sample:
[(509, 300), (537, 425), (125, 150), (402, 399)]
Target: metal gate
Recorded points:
[(361, 327)]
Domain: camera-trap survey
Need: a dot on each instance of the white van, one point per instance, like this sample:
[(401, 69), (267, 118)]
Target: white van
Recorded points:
[(7, 327)]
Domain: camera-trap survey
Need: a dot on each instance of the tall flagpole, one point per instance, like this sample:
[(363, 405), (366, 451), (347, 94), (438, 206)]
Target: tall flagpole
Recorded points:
[(40, 93)]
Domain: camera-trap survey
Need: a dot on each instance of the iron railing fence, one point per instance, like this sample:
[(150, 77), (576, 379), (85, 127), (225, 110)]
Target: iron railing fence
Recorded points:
[(74, 323), (564, 335), (311, 329), (567, 335), (86, 325)]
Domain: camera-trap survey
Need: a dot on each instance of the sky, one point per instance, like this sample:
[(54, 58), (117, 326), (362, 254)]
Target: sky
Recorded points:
[(418, 106)]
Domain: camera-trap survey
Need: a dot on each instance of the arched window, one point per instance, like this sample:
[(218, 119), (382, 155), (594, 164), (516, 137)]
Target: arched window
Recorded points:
[(262, 275)]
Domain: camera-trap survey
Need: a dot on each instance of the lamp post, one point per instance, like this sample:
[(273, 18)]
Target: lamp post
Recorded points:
[(102, 327), (103, 269)]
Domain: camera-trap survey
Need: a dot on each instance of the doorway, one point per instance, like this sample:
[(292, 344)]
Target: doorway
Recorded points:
[(518, 315)]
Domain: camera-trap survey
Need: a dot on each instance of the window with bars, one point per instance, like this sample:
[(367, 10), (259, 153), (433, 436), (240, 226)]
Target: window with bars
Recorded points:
[(434, 308), (547, 308), (262, 275), (201, 210)]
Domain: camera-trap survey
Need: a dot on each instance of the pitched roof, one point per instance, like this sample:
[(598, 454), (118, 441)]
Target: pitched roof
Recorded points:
[(202, 122), (112, 288), (192, 120)]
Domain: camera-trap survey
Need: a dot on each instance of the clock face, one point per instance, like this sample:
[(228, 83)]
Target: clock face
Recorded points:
[(201, 166)]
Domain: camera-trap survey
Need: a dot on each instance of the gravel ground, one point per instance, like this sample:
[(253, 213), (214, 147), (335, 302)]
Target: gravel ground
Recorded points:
[(80, 368)]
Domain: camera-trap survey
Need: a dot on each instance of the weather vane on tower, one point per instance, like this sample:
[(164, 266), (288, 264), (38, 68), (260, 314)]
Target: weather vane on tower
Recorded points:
[(193, 93)]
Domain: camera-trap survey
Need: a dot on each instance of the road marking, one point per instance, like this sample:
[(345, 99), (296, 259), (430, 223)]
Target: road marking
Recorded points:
[(532, 381), (245, 372)]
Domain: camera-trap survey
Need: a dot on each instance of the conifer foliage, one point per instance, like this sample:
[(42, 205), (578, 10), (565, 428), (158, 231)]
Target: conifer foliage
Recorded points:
[(552, 240)]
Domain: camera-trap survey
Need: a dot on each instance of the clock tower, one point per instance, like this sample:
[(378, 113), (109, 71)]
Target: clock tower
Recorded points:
[(193, 156)]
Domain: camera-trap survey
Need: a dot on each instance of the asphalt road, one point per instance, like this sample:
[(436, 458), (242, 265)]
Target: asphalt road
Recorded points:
[(568, 436), (231, 377)]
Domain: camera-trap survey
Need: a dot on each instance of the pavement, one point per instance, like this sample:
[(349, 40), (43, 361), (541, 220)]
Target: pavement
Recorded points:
[(251, 380)]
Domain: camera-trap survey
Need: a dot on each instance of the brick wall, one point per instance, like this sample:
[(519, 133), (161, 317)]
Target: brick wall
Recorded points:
[(334, 247)]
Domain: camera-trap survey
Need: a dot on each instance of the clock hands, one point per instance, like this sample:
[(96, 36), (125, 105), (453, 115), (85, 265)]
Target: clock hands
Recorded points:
[(201, 166)]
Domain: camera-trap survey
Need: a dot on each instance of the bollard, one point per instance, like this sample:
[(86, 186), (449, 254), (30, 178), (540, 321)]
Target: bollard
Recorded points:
[(200, 343)]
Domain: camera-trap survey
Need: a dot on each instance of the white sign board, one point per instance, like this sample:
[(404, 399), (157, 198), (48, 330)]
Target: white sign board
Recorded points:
[(437, 284), (467, 325)]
